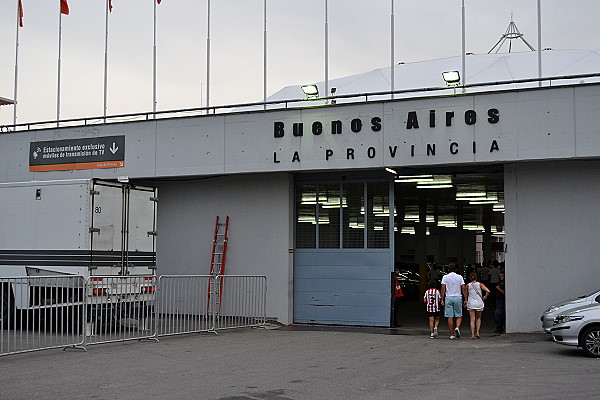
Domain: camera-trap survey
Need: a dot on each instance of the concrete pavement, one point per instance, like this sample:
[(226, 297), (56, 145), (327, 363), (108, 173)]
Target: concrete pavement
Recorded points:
[(293, 363)]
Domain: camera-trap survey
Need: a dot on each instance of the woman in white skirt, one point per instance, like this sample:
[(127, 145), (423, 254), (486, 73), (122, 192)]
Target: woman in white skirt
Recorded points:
[(474, 303)]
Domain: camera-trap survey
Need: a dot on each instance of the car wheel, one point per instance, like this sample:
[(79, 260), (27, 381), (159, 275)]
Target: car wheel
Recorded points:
[(590, 341)]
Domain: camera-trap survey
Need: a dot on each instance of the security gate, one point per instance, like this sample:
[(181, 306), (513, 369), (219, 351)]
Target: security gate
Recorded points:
[(343, 256)]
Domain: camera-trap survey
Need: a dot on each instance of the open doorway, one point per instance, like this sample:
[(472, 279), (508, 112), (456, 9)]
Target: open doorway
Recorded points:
[(441, 218)]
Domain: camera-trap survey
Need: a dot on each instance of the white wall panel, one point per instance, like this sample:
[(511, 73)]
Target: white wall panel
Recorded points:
[(260, 209), (587, 117), (552, 225), (190, 146), (546, 125)]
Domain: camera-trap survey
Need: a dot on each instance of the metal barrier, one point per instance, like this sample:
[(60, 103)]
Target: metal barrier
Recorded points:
[(42, 312), (69, 311), (239, 301), (183, 304), (120, 308), (205, 303)]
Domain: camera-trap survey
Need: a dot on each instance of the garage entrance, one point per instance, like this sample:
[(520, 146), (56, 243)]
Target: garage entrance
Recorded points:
[(353, 231), (446, 217)]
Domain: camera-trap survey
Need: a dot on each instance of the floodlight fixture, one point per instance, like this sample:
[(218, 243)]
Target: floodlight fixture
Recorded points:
[(310, 90), (451, 77)]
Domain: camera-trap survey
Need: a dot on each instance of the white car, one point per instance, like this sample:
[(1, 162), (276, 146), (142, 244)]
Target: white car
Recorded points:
[(552, 312), (579, 327)]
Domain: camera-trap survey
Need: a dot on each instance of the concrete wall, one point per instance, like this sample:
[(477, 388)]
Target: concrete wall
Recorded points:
[(552, 223), (260, 230)]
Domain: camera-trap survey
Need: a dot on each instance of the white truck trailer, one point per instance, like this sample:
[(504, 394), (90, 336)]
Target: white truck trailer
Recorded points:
[(102, 231)]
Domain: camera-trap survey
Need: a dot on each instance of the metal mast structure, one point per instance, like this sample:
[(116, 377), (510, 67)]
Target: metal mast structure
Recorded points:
[(512, 33)]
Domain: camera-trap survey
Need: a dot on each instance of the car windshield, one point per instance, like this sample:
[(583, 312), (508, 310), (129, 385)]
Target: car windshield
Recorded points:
[(591, 294)]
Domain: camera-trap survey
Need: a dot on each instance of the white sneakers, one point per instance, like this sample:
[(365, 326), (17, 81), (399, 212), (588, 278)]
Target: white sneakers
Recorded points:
[(457, 333)]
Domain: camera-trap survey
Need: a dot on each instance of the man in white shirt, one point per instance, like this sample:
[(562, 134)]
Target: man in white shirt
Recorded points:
[(453, 287)]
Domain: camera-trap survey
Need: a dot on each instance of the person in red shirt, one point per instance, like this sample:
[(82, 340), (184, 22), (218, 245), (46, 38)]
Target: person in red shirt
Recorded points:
[(432, 300)]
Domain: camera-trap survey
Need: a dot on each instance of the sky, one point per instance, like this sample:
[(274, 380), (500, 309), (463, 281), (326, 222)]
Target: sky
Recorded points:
[(359, 41)]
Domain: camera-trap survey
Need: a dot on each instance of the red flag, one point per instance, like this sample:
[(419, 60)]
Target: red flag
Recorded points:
[(158, 1), (110, 5), (20, 14), (64, 7)]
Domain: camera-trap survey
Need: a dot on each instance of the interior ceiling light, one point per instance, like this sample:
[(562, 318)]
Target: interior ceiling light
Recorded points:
[(436, 186), (461, 195), (483, 202), (439, 180), (391, 171), (414, 178), (310, 90)]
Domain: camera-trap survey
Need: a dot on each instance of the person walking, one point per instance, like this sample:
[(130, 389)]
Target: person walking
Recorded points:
[(500, 314), (475, 303), (453, 287), (432, 304)]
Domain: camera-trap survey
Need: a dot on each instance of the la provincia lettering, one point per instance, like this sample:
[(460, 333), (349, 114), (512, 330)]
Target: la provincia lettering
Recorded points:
[(336, 127)]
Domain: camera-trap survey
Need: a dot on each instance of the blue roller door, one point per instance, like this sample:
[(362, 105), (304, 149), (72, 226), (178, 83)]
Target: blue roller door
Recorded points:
[(342, 287)]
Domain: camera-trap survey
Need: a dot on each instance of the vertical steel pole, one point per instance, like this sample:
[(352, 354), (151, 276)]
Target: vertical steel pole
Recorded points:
[(208, 58), (106, 61), (16, 63), (265, 55), (326, 51), (463, 48), (539, 21), (154, 64), (392, 51), (59, 62)]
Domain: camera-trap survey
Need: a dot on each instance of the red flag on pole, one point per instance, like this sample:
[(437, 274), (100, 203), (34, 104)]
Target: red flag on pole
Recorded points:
[(64, 7), (110, 5), (20, 14), (158, 1)]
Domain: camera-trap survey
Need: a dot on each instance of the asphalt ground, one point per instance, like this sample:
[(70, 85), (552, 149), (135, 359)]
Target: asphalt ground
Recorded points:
[(307, 362)]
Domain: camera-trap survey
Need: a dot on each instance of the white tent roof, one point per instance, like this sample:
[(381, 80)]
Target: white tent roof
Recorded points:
[(480, 68)]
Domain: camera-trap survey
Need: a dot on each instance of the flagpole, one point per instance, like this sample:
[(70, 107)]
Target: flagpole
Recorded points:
[(59, 62), (265, 56), (463, 47), (326, 50), (392, 49), (16, 63), (106, 60), (208, 58), (539, 17), (154, 65)]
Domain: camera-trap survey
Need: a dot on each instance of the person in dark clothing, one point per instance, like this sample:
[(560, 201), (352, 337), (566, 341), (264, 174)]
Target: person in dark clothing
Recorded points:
[(500, 314)]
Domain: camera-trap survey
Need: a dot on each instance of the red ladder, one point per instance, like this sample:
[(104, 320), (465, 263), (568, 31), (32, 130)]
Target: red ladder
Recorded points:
[(219, 248), (218, 258)]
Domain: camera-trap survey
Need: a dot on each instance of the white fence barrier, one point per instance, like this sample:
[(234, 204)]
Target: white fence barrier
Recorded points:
[(183, 304), (205, 303), (67, 311), (41, 313), (120, 308)]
